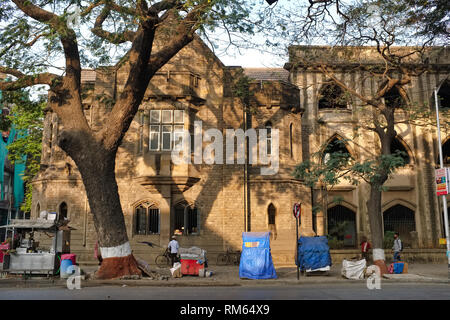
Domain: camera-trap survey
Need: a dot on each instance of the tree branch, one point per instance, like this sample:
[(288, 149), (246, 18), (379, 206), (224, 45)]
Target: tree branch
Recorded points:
[(115, 38), (24, 80)]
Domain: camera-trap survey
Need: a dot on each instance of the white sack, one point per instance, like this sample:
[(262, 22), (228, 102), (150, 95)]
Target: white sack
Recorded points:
[(353, 269)]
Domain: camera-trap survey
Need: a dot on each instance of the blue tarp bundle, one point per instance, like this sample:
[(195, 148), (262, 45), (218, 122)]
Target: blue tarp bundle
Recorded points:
[(313, 253), (256, 259)]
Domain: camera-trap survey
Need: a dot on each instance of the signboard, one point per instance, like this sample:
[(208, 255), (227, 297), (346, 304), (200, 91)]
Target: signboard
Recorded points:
[(442, 241), (297, 210), (442, 187)]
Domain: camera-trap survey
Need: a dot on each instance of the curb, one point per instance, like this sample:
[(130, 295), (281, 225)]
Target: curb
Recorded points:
[(15, 283)]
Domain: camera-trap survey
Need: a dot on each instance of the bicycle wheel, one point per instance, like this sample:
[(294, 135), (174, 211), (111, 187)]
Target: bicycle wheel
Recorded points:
[(162, 261), (222, 259)]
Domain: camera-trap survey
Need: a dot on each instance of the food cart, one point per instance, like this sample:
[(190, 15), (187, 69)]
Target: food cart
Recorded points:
[(23, 255)]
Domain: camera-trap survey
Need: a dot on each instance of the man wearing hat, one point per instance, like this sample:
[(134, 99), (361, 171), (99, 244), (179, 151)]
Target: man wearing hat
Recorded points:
[(173, 249)]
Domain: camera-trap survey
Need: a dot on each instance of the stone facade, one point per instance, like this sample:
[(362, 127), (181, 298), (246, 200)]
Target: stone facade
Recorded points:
[(223, 200), (411, 190), (225, 203)]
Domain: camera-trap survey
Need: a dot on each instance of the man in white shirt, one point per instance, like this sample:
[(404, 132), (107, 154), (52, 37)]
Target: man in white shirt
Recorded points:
[(173, 249)]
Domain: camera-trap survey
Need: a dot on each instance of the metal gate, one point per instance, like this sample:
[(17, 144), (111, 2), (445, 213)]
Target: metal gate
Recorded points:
[(400, 219), (342, 225)]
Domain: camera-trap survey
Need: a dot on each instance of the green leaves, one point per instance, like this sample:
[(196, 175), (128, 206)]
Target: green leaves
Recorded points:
[(337, 165)]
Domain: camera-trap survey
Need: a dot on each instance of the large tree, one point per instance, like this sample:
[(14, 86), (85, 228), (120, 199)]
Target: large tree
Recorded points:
[(146, 35)]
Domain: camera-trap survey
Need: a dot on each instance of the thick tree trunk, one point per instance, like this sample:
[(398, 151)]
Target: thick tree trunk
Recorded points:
[(96, 166), (376, 226)]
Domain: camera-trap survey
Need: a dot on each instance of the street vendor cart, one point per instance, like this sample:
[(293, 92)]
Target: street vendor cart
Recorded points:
[(22, 254)]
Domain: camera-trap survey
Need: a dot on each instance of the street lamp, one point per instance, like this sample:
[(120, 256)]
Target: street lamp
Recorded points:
[(444, 197)]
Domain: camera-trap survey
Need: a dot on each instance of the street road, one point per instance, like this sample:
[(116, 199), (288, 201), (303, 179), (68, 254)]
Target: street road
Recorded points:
[(392, 291)]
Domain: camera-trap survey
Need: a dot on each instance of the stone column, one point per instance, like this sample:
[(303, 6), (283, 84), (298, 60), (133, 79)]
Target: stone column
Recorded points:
[(164, 211)]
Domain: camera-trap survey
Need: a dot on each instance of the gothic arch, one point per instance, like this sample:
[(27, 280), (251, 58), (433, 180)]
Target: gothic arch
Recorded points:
[(445, 151), (343, 203), (443, 93), (401, 219), (406, 148), (331, 96), (63, 210), (150, 203), (271, 214), (395, 202), (186, 217), (342, 225), (337, 136), (38, 209)]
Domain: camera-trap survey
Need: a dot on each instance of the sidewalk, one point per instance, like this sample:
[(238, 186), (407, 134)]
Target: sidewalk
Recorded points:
[(229, 276)]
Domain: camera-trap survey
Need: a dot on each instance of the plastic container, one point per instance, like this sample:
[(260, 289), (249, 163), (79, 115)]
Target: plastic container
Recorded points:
[(63, 270), (191, 267), (70, 256)]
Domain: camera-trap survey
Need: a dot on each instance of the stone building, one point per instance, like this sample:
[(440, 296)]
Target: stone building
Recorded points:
[(210, 205), (409, 203)]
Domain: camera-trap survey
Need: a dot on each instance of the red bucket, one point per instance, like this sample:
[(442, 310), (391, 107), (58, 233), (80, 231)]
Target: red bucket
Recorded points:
[(69, 256)]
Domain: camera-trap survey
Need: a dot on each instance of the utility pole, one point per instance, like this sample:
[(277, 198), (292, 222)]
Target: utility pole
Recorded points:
[(444, 197)]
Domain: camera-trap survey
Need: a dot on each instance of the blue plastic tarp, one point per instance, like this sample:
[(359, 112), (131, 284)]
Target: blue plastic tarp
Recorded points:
[(313, 253), (256, 259)]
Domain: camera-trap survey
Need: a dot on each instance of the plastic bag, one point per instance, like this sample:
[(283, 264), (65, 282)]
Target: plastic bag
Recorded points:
[(353, 269), (256, 258), (176, 270)]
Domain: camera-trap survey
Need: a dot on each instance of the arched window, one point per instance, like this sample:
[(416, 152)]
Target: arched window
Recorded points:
[(397, 145), (444, 94), (269, 137), (446, 153), (271, 213), (146, 219), (400, 219), (342, 225), (290, 140), (337, 148), (63, 211), (186, 219), (38, 209), (393, 99), (331, 96)]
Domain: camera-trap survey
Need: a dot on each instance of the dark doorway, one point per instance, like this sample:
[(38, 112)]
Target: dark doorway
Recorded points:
[(342, 225), (400, 219)]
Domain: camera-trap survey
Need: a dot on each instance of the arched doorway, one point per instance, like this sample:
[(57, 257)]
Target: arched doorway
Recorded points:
[(341, 222), (63, 211), (400, 219), (271, 219)]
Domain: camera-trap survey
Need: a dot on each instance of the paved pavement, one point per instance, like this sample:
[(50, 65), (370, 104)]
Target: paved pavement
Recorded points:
[(229, 276)]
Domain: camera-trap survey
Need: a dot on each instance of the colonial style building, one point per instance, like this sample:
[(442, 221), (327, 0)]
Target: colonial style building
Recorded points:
[(211, 204)]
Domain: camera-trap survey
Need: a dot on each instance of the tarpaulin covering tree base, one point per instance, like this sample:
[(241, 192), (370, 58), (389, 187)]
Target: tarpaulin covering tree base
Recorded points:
[(313, 253), (256, 258)]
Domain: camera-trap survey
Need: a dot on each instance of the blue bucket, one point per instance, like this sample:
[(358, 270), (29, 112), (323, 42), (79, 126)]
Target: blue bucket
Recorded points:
[(65, 264)]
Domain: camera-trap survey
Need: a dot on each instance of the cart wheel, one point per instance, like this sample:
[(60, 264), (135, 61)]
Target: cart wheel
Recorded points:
[(222, 259), (162, 261)]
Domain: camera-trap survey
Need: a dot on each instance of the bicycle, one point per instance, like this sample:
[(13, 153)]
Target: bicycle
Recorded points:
[(163, 260), (228, 258)]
